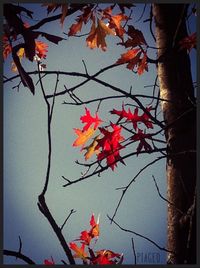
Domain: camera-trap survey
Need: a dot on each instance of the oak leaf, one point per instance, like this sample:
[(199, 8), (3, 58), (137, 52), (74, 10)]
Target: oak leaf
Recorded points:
[(41, 49), (89, 120), (142, 64), (83, 136), (49, 262), (106, 257), (141, 136), (97, 35), (110, 146), (128, 56), (79, 251), (91, 149)]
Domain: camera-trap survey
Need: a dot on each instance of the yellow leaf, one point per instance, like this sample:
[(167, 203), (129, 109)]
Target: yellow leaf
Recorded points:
[(91, 149), (20, 54), (83, 136)]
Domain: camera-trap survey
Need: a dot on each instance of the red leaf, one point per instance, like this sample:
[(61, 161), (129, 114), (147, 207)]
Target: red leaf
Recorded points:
[(89, 120), (49, 262), (79, 251), (140, 136), (6, 47), (87, 236), (110, 146), (189, 42), (133, 117), (106, 257)]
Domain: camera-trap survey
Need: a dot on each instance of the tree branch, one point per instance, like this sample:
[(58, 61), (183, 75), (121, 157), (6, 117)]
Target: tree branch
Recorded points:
[(141, 236), (18, 255)]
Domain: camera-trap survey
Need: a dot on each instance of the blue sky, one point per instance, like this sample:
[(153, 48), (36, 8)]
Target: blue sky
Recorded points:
[(25, 157)]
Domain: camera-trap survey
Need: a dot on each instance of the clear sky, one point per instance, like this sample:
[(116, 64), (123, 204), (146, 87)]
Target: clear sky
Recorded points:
[(25, 157)]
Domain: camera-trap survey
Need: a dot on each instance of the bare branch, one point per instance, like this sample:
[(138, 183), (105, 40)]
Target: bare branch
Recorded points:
[(18, 255), (134, 253), (71, 212), (133, 180), (141, 236)]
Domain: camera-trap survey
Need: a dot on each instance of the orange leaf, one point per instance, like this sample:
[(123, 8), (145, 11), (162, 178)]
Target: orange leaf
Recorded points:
[(127, 56), (91, 149), (115, 22), (76, 27), (41, 49), (142, 65), (97, 35), (79, 251), (83, 136), (94, 232)]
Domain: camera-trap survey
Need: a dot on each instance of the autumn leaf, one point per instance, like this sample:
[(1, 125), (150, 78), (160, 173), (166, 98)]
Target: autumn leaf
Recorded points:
[(142, 65), (189, 42), (76, 27), (79, 251), (106, 257), (89, 120), (94, 231), (91, 149), (140, 136), (110, 146), (129, 116), (115, 22), (87, 236), (51, 7), (136, 35), (6, 47), (20, 54), (41, 49), (83, 18), (128, 56), (83, 136), (97, 35), (49, 262)]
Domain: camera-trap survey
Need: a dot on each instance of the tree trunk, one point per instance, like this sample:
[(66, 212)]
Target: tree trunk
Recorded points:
[(174, 73)]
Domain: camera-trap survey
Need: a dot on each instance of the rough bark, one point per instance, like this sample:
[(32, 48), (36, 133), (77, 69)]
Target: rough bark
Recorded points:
[(174, 73)]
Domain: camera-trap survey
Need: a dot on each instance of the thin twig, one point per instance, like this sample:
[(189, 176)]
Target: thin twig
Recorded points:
[(133, 180), (71, 212), (165, 199), (134, 253), (141, 236)]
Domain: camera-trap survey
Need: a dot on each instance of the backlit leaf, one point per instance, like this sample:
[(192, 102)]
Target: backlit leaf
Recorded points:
[(97, 35), (79, 251), (89, 120), (83, 136), (91, 149)]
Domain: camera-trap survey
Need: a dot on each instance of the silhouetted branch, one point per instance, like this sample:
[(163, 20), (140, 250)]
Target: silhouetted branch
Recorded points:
[(166, 200), (134, 253), (125, 188), (18, 255), (141, 236), (71, 212), (57, 230)]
